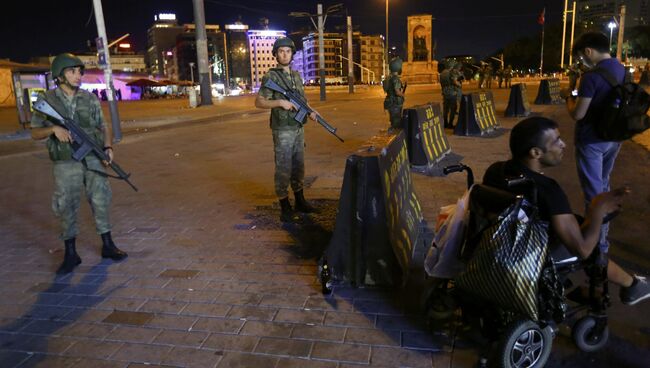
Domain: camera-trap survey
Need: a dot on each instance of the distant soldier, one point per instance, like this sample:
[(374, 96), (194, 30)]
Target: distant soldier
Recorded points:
[(71, 177), (507, 75), (500, 76), (451, 92), (573, 73), (288, 134), (488, 76), (394, 89), (645, 75)]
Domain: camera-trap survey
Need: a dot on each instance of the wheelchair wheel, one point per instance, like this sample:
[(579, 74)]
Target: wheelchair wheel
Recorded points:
[(524, 345), (437, 303), (585, 337)]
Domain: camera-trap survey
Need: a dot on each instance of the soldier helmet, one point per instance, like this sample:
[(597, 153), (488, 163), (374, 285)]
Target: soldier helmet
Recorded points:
[(283, 42), (395, 65), (62, 61), (450, 64)]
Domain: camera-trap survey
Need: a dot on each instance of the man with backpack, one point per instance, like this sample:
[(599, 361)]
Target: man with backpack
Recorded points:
[(602, 97)]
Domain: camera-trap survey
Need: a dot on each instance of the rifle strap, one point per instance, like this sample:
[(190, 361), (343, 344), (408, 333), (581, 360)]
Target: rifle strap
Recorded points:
[(101, 173), (285, 81)]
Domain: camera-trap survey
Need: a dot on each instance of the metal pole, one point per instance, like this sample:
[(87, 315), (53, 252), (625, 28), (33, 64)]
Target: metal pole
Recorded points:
[(573, 28), (386, 43), (566, 3), (108, 74), (321, 52), (202, 52), (350, 65), (621, 29), (257, 80), (225, 61), (192, 72), (541, 59)]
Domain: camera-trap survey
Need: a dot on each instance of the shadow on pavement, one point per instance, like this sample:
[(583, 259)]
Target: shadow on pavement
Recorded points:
[(26, 339)]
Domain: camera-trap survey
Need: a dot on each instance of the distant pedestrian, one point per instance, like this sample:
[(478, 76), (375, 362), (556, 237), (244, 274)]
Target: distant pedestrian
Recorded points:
[(288, 134), (451, 92), (71, 177), (488, 76), (500, 73), (394, 89)]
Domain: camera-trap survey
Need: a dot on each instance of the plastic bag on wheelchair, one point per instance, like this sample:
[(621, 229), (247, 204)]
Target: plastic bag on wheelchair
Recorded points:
[(506, 264), (442, 259)]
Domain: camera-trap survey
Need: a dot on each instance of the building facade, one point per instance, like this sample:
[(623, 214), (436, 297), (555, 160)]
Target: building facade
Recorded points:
[(594, 15), (161, 39), (333, 51), (185, 58), (372, 58), (260, 44), (238, 55)]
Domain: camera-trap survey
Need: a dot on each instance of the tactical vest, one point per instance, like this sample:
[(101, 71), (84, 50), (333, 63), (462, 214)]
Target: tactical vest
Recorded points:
[(61, 151), (392, 99)]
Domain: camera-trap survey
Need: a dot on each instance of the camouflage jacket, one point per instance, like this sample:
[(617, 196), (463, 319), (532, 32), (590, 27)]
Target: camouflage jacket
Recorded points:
[(83, 107), (393, 84), (282, 119), (447, 79)]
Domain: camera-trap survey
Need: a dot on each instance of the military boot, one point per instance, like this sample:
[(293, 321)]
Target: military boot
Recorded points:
[(71, 259), (301, 203), (287, 212), (109, 250)]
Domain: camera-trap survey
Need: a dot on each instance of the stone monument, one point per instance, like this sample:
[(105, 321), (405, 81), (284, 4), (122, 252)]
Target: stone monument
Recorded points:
[(419, 66)]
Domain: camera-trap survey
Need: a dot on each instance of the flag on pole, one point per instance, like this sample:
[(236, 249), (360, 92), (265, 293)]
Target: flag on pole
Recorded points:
[(540, 17)]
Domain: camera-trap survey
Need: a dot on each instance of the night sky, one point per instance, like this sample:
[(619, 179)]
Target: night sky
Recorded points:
[(39, 28)]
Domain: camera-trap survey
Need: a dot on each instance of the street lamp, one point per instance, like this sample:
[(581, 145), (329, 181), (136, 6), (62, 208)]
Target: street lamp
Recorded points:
[(386, 41), (611, 26), (322, 17)]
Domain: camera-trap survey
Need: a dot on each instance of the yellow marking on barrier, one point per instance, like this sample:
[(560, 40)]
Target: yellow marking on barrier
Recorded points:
[(431, 148), (434, 140), (443, 138)]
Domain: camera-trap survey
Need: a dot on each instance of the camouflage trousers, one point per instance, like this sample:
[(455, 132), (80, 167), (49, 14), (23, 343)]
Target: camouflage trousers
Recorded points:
[(395, 113), (289, 147), (70, 179)]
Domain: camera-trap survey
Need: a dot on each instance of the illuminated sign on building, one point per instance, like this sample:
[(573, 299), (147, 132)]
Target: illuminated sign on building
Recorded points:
[(237, 26), (125, 45), (165, 16)]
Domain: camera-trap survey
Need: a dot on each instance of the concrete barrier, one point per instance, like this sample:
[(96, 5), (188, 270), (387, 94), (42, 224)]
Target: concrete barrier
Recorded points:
[(378, 218), (518, 102), (549, 92), (425, 135), (477, 115)]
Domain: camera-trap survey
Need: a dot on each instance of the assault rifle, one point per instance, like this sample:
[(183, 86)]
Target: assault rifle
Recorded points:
[(301, 105), (82, 144)]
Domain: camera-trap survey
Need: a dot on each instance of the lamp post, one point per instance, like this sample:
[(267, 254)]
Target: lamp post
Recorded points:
[(322, 17), (192, 72), (386, 41), (611, 26)]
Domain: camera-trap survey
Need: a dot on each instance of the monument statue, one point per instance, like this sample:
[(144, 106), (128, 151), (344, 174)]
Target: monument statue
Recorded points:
[(420, 51)]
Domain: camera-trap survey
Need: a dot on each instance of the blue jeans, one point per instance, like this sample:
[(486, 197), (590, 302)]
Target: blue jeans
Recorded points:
[(595, 162)]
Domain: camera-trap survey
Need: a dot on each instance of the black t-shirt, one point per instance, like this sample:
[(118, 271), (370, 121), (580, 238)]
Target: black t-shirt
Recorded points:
[(551, 199)]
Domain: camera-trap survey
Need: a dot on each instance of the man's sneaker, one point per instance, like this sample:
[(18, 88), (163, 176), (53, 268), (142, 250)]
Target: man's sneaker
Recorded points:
[(638, 291)]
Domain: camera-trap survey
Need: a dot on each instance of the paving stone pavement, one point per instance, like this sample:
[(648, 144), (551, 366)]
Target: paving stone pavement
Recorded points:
[(212, 278)]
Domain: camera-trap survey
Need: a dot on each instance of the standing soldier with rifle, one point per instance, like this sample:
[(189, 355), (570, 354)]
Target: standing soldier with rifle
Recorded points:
[(451, 92), (394, 89), (288, 133), (71, 177)]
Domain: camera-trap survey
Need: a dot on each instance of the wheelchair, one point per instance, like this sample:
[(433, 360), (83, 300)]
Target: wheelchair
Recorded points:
[(516, 340)]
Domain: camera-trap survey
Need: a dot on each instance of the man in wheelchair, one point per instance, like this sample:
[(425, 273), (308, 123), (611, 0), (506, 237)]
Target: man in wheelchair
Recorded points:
[(535, 144)]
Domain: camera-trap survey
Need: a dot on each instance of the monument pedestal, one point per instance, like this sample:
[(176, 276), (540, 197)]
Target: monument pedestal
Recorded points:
[(420, 72)]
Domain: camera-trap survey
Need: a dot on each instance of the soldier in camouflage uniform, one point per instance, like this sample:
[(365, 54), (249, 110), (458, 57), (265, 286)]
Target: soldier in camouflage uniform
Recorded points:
[(71, 177), (288, 134), (507, 76), (394, 89), (451, 92)]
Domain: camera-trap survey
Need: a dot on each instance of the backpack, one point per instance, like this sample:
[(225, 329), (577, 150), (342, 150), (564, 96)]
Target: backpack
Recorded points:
[(623, 113)]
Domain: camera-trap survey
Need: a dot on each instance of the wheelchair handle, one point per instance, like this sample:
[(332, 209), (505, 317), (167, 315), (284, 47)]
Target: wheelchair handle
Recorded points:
[(460, 168), (524, 181)]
